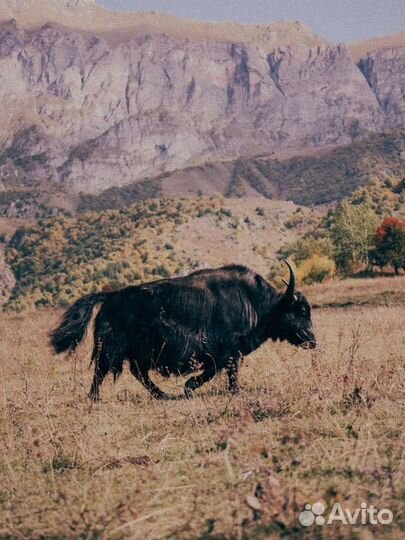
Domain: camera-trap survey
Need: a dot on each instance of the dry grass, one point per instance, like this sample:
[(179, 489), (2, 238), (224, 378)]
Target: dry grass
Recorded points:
[(321, 425), (118, 26), (360, 49), (389, 290)]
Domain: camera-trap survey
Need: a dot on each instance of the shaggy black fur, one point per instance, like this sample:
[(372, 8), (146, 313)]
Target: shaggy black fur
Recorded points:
[(202, 322)]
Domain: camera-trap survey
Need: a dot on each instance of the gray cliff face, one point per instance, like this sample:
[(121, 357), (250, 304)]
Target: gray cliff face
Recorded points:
[(384, 70), (90, 114)]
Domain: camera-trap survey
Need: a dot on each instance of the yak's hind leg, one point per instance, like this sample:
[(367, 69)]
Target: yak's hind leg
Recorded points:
[(108, 356), (142, 376), (101, 368)]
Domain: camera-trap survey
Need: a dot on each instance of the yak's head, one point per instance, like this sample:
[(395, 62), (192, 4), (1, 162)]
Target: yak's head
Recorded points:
[(294, 316)]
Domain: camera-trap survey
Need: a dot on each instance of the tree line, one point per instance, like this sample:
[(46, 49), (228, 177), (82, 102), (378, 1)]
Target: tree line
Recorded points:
[(360, 234)]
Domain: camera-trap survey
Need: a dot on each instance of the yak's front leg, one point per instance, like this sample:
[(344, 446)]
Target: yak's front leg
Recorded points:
[(195, 382), (232, 370), (143, 377)]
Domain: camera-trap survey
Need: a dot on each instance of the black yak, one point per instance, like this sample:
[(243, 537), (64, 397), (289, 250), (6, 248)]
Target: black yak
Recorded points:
[(205, 322)]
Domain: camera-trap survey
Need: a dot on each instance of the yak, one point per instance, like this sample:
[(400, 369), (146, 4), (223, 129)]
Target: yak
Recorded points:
[(203, 322)]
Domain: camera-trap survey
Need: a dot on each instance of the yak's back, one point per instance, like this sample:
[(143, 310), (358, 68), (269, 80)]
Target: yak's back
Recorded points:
[(232, 297)]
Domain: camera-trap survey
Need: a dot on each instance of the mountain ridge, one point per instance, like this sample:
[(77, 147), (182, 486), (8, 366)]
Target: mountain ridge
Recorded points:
[(116, 26), (360, 49), (86, 114)]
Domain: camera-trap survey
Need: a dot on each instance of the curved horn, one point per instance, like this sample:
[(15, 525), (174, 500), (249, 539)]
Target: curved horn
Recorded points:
[(289, 293)]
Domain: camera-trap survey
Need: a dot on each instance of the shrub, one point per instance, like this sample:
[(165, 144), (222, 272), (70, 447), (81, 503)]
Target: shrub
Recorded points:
[(316, 269), (306, 247)]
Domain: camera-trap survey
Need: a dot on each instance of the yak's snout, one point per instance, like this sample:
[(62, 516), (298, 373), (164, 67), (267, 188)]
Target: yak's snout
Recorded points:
[(306, 338)]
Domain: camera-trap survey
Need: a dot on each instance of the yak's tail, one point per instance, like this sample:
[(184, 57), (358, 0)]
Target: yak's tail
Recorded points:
[(72, 328)]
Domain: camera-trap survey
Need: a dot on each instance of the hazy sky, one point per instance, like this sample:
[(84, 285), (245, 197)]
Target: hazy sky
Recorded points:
[(337, 20)]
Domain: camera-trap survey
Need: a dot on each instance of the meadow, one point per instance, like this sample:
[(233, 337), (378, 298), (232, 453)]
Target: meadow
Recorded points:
[(324, 425)]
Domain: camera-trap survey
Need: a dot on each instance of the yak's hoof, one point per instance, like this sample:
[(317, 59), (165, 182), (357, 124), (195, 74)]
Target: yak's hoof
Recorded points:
[(161, 396), (188, 392), (189, 387), (95, 398), (234, 390)]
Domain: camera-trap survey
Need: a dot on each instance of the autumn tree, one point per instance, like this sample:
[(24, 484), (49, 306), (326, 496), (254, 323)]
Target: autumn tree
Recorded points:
[(389, 244)]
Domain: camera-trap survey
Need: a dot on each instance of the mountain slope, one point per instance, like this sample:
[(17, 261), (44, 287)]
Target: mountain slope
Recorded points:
[(308, 177)]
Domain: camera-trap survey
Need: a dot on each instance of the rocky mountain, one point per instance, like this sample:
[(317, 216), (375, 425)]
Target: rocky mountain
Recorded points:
[(384, 70), (92, 99)]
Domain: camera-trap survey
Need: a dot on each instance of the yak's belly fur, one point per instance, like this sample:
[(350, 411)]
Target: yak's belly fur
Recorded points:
[(178, 351)]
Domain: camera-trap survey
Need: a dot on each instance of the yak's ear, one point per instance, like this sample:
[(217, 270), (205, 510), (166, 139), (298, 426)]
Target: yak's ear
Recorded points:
[(289, 294)]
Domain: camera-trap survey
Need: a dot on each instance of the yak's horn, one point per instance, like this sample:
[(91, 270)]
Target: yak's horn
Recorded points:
[(289, 293)]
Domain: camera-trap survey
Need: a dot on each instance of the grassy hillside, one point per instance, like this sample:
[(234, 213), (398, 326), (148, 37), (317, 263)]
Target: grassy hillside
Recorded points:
[(323, 425), (332, 175), (120, 197), (377, 291), (59, 259), (360, 49), (313, 177)]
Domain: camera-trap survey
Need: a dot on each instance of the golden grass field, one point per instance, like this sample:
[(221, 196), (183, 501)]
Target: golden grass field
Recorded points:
[(324, 425)]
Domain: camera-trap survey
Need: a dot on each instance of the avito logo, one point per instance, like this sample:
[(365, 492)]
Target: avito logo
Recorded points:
[(313, 513)]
